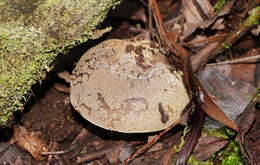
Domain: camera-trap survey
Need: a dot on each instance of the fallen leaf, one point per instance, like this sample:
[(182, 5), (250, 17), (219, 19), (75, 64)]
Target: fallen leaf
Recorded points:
[(230, 95), (208, 145), (195, 18), (246, 71), (12, 153), (192, 137), (249, 133), (212, 110), (30, 141)]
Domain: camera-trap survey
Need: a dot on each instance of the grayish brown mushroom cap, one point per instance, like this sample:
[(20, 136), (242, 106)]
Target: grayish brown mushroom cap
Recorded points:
[(127, 86)]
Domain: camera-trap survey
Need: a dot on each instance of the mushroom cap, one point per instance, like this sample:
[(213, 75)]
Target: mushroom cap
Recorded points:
[(128, 87)]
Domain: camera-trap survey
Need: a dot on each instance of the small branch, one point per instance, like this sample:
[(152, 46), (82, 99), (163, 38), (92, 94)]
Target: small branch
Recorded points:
[(236, 61), (97, 154), (211, 39), (150, 143)]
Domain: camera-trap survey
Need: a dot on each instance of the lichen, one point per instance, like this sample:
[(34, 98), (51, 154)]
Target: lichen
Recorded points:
[(32, 34)]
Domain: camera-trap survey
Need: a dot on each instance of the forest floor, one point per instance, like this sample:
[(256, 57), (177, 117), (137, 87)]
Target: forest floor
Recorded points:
[(51, 131)]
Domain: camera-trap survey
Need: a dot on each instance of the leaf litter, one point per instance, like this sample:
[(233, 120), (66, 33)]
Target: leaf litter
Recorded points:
[(218, 51)]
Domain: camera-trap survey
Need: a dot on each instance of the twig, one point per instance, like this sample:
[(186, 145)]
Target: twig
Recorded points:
[(236, 61), (57, 152), (215, 38), (150, 143), (145, 4), (83, 133), (98, 154)]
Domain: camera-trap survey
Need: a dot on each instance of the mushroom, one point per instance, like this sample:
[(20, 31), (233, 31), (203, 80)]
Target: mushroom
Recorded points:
[(128, 86)]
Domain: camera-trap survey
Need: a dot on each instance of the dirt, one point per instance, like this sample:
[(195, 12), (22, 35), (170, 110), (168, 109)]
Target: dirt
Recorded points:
[(56, 124)]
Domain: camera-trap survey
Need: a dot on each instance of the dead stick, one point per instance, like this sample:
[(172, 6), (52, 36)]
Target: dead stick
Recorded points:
[(211, 39), (150, 143), (236, 61), (97, 154)]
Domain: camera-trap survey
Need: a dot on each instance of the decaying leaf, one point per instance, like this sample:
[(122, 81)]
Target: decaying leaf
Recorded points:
[(229, 94), (30, 141), (249, 133), (200, 14), (12, 154), (208, 145)]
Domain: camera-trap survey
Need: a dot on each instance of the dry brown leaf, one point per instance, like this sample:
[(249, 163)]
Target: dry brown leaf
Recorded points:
[(229, 94), (168, 156), (219, 24), (246, 71), (190, 12), (256, 31), (30, 141), (202, 54), (208, 145), (215, 112), (206, 7), (249, 133), (200, 14)]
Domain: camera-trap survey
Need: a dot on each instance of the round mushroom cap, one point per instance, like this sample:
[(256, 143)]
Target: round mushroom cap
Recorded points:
[(128, 87)]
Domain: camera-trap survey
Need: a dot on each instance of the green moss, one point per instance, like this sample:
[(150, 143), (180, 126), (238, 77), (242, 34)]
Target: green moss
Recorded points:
[(182, 142), (223, 132), (219, 5), (253, 19), (231, 154), (194, 161), (21, 65), (32, 34), (226, 46), (257, 94)]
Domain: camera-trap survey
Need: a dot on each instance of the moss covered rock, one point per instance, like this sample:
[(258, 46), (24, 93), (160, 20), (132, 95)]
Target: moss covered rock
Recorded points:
[(32, 33)]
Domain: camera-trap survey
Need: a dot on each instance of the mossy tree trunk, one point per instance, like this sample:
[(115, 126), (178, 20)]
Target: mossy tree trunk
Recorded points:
[(32, 33)]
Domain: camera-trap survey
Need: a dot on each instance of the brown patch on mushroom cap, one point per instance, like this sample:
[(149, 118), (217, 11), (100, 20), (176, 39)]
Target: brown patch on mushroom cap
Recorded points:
[(127, 86)]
